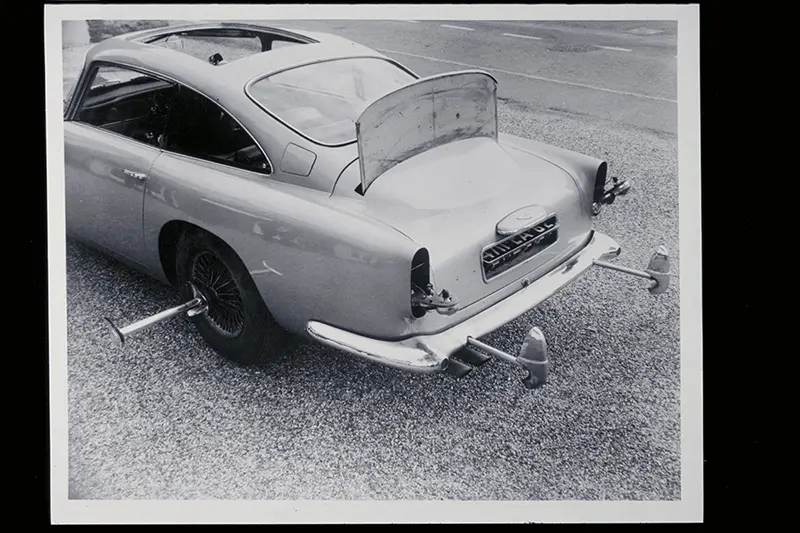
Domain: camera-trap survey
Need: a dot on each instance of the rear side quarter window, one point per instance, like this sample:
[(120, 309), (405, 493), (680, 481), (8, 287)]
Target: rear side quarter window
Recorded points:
[(201, 129)]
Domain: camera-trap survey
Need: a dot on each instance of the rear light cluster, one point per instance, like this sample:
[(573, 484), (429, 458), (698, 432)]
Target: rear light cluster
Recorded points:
[(420, 279), (599, 186), (423, 295), (605, 192)]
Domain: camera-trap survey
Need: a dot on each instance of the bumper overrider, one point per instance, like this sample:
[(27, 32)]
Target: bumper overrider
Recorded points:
[(457, 350)]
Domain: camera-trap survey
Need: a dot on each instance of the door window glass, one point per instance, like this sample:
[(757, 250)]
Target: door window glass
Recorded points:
[(128, 102)]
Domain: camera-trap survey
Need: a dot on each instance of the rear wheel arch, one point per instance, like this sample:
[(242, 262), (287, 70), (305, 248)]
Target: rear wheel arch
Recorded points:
[(168, 239), (179, 245)]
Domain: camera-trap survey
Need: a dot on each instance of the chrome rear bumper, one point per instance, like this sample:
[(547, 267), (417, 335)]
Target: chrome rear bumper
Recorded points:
[(431, 353)]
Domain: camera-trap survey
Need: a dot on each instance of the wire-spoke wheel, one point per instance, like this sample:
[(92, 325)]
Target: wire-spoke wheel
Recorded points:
[(237, 324), (215, 281)]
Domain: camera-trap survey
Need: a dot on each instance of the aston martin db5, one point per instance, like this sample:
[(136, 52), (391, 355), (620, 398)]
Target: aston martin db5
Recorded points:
[(287, 182)]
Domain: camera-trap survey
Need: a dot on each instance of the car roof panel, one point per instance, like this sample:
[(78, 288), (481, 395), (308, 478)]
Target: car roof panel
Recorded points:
[(131, 49)]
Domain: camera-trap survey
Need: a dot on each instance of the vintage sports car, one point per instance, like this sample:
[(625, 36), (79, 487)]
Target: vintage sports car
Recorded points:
[(287, 181)]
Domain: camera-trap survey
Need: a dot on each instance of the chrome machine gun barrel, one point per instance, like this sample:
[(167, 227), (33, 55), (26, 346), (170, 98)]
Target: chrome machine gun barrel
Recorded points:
[(195, 306), (657, 271)]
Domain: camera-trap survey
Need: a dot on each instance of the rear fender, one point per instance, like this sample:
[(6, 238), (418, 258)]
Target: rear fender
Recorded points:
[(309, 258), (588, 173)]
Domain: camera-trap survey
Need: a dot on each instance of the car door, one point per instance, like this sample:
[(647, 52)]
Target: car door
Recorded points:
[(111, 139)]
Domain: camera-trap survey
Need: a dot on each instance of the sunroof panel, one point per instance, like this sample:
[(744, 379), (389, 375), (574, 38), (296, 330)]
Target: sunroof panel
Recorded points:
[(223, 45)]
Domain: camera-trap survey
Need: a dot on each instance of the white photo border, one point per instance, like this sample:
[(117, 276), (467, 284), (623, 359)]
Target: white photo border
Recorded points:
[(688, 509)]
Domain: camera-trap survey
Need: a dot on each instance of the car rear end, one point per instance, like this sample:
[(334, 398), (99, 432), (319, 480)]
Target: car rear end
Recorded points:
[(483, 221)]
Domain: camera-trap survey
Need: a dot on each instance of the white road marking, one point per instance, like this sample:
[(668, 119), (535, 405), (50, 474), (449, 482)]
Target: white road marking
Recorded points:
[(456, 27), (614, 48), (523, 36), (531, 77)]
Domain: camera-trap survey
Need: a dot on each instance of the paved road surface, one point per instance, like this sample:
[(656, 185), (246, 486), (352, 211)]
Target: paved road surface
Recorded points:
[(624, 72)]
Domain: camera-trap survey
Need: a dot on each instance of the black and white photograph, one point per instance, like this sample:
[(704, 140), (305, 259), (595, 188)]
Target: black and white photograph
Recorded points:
[(374, 263)]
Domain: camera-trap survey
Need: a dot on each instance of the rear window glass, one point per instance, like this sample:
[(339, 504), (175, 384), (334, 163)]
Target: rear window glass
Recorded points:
[(323, 100)]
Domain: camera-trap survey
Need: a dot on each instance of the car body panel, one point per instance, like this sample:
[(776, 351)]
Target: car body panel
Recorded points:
[(581, 168), (104, 203)]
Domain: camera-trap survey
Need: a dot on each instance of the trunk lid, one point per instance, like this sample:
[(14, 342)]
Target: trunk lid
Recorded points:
[(422, 115)]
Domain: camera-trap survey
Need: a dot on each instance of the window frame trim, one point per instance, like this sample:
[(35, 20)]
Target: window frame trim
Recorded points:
[(87, 76), (261, 34)]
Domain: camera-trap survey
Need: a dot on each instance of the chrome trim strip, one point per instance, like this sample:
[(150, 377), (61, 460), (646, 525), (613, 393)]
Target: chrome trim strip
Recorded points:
[(169, 79), (166, 31), (428, 353), (315, 62)]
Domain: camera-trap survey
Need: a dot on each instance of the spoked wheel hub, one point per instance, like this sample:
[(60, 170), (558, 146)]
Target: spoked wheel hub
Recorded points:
[(225, 307)]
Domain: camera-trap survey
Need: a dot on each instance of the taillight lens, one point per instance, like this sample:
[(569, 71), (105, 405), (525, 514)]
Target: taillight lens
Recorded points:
[(420, 278), (600, 182)]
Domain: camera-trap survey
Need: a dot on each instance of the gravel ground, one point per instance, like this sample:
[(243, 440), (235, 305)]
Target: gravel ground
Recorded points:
[(165, 418)]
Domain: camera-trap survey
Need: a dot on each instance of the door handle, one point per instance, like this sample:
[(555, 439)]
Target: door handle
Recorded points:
[(138, 175)]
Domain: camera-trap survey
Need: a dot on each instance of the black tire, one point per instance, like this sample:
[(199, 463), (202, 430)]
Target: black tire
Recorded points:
[(238, 324)]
